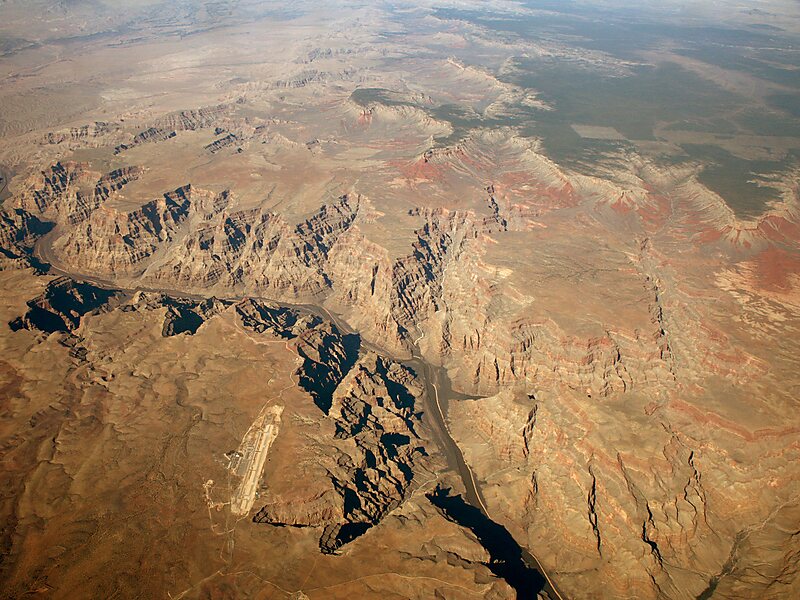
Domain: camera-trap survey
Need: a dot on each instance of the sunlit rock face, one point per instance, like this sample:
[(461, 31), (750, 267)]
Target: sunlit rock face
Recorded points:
[(433, 300)]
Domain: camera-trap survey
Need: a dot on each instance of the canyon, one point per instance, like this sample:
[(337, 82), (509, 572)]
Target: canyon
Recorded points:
[(311, 304)]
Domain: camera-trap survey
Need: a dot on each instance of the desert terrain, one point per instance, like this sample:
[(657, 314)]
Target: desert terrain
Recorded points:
[(399, 300)]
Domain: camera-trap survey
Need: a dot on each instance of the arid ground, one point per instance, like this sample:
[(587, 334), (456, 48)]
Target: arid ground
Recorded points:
[(399, 300)]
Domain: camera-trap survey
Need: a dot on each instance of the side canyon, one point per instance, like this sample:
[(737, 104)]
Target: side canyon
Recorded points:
[(312, 314)]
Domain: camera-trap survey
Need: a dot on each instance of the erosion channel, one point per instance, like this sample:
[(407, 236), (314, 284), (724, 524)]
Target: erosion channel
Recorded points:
[(508, 560)]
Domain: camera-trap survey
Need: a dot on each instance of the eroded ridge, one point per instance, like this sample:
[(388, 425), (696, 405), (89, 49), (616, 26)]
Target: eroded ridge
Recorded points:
[(585, 248)]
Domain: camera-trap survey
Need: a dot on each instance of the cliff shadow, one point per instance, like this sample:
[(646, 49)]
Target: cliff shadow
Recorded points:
[(505, 555)]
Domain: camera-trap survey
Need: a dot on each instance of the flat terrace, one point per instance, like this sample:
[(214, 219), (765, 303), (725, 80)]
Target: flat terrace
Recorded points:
[(252, 455)]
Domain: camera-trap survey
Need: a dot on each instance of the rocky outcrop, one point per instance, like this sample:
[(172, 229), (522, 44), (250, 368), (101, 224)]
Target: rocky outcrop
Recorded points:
[(186, 120), (710, 219), (327, 53), (258, 252), (51, 185), (372, 404), (265, 317), (417, 278), (327, 358), (19, 230), (375, 408), (113, 242), (69, 192), (182, 315), (391, 299), (373, 453), (373, 114), (62, 305), (222, 143), (506, 354), (92, 134)]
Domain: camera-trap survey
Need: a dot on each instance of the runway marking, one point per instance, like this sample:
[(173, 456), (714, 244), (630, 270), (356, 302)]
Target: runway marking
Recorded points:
[(251, 457)]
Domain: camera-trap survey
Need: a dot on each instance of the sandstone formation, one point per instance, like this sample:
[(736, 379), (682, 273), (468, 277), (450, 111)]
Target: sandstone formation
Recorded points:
[(18, 233), (113, 378), (313, 303)]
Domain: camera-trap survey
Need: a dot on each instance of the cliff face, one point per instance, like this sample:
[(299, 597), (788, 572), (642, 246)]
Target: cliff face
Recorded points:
[(369, 463), (167, 127), (61, 306), (111, 242), (19, 231), (162, 388), (368, 435), (372, 405), (259, 252), (626, 332), (69, 192), (369, 300)]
